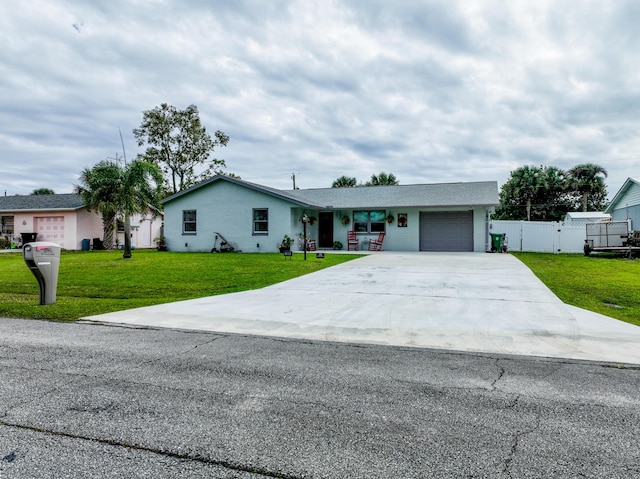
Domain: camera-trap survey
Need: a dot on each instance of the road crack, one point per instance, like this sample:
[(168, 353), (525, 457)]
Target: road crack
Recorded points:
[(234, 466), (202, 344), (501, 373), (515, 443)]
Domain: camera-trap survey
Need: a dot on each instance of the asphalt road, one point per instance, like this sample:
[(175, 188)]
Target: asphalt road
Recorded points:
[(86, 400)]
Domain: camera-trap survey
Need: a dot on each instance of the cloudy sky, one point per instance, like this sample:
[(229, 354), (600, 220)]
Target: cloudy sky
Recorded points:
[(431, 91)]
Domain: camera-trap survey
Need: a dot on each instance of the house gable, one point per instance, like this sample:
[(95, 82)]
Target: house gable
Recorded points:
[(226, 208), (626, 203), (244, 184), (628, 195)]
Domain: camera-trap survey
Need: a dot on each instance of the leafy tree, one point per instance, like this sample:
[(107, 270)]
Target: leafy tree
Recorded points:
[(554, 199), (344, 182), (179, 144), (382, 180), (43, 191), (587, 182), (112, 190), (99, 189), (538, 193)]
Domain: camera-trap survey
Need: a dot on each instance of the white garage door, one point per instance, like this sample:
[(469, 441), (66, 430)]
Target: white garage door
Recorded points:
[(446, 231), (50, 228)]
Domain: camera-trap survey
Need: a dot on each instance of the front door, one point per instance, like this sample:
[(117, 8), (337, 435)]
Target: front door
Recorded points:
[(325, 230)]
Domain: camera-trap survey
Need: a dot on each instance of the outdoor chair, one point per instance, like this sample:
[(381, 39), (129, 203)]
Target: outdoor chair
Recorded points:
[(376, 244), (352, 241)]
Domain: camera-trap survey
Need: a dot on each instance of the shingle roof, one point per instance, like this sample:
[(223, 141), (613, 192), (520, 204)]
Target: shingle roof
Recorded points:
[(484, 193), (283, 194), (68, 201), (481, 193)]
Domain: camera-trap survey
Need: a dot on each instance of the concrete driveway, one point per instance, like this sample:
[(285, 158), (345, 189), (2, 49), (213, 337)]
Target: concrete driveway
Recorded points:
[(457, 301)]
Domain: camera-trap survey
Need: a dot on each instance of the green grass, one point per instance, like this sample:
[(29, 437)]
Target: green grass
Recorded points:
[(606, 284), (102, 281)]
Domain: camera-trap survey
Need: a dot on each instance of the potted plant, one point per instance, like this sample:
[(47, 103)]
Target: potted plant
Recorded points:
[(310, 219), (337, 245), (285, 244), (161, 243)]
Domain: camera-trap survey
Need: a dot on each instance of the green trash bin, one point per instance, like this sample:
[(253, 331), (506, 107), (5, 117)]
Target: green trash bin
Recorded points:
[(498, 242)]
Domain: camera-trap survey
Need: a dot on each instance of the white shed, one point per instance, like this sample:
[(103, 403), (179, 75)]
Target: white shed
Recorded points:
[(586, 217)]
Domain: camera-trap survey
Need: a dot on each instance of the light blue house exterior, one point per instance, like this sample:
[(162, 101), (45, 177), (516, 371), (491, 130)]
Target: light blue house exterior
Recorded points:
[(626, 203), (255, 218)]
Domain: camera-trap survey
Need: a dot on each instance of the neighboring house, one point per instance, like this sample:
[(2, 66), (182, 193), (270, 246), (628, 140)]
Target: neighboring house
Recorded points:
[(63, 219), (626, 203), (252, 217), (586, 217), (145, 229)]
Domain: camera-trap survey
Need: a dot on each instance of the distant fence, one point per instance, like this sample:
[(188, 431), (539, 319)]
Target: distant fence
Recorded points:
[(541, 236)]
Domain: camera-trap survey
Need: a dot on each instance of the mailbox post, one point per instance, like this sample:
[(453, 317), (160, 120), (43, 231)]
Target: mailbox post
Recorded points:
[(43, 259)]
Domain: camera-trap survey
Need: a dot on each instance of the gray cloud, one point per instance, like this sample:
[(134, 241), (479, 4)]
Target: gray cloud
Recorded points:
[(431, 91)]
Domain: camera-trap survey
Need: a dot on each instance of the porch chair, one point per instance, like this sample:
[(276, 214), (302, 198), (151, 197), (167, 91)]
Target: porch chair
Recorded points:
[(311, 245), (376, 244), (352, 241)]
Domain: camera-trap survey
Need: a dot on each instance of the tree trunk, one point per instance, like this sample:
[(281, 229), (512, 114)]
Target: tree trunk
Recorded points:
[(107, 232), (127, 236), (528, 209), (585, 198)]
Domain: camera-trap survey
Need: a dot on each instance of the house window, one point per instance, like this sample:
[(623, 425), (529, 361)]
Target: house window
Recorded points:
[(369, 221), (7, 225), (260, 221), (189, 222)]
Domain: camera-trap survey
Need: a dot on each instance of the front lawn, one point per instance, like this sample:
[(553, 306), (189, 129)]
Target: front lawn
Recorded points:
[(102, 281), (606, 284)]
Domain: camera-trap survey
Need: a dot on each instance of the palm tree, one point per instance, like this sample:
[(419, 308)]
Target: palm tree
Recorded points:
[(588, 181), (112, 190), (344, 182), (140, 188), (526, 182), (99, 188), (382, 180)]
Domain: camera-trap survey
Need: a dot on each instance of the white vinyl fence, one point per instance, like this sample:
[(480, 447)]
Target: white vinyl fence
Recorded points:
[(541, 236)]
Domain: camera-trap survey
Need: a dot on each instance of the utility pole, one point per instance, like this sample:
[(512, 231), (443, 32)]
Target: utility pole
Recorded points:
[(124, 154), (293, 177)]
